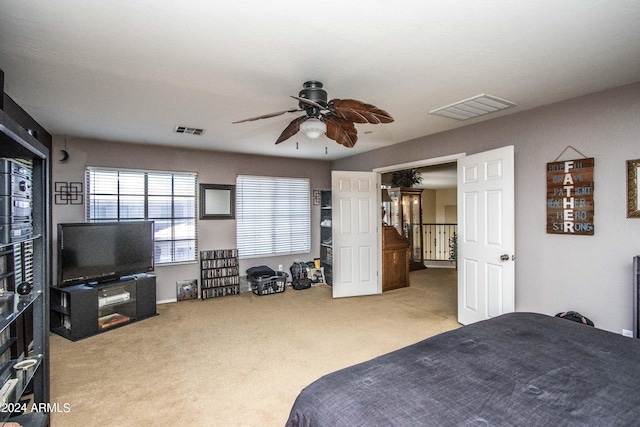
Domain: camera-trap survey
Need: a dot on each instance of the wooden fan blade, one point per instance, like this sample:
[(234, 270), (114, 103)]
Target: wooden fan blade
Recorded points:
[(266, 116), (341, 131), (359, 112), (292, 129), (310, 102)]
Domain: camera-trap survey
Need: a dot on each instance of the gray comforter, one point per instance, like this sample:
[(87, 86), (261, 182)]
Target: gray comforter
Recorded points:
[(518, 369)]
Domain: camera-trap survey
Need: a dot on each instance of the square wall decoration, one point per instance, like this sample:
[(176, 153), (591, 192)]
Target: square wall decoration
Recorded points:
[(217, 201), (68, 193)]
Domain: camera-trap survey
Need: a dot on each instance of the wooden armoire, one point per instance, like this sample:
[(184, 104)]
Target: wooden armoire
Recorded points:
[(395, 259)]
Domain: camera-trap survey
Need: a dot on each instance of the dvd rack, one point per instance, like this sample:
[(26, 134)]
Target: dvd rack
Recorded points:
[(220, 273)]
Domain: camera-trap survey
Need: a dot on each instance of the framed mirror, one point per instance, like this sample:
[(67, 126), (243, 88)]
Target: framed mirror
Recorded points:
[(633, 189), (217, 201)]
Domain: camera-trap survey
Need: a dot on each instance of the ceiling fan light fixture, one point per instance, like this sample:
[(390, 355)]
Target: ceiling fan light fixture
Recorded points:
[(313, 128), (336, 118)]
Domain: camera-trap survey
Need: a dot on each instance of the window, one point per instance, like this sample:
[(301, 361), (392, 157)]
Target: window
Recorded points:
[(168, 199), (273, 216)]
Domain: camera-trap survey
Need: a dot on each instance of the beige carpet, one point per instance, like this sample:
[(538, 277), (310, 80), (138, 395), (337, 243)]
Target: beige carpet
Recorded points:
[(238, 360)]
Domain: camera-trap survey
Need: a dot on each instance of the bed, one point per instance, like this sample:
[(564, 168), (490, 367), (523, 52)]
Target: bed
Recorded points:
[(513, 370)]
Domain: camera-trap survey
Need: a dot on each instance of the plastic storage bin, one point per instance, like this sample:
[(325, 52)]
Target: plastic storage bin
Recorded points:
[(269, 285)]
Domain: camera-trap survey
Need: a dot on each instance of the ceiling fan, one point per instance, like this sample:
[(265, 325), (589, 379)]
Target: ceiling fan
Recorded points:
[(335, 118)]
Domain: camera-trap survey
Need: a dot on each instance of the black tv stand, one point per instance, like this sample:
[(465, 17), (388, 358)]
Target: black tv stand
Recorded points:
[(84, 310)]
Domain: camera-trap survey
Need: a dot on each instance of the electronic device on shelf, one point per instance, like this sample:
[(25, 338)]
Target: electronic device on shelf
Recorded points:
[(7, 388), (113, 299), (98, 252), (16, 190)]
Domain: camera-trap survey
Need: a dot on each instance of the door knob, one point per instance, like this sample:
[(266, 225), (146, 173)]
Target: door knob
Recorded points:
[(504, 257)]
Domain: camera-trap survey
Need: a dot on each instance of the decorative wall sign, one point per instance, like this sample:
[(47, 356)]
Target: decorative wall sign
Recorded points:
[(68, 193), (570, 197)]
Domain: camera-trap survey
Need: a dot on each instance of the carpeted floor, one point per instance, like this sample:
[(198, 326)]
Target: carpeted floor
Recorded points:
[(239, 360)]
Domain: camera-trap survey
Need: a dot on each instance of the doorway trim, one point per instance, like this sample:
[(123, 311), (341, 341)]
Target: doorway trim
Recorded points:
[(434, 161), (421, 163)]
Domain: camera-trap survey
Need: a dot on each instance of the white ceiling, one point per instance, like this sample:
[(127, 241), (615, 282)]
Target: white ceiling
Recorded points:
[(439, 176), (133, 70)]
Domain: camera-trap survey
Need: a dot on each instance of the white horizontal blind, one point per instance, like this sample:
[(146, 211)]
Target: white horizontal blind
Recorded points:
[(273, 216), (167, 198)]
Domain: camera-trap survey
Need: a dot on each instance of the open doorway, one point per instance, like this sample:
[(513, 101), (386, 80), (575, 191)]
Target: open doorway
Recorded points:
[(486, 228), (425, 213), (433, 232)]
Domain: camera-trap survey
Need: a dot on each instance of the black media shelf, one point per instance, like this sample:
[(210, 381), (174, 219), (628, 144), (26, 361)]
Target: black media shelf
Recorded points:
[(81, 311)]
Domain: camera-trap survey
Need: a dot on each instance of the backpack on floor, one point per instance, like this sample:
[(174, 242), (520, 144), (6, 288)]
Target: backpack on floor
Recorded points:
[(575, 317), (300, 276)]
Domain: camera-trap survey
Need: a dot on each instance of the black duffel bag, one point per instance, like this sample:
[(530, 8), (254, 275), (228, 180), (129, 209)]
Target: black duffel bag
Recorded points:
[(260, 272), (299, 284)]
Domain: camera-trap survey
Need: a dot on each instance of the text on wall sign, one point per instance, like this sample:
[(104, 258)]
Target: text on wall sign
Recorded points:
[(570, 197)]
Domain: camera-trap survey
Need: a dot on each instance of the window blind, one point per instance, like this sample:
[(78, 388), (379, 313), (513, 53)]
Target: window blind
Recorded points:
[(272, 215), (167, 198)]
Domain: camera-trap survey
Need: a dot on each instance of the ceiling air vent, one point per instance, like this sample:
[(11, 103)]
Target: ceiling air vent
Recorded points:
[(473, 107), (192, 131)]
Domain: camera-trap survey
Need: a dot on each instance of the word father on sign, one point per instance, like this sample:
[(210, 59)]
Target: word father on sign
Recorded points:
[(570, 197)]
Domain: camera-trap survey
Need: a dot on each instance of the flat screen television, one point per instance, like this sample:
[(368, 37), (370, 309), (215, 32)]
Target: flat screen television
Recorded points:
[(96, 252)]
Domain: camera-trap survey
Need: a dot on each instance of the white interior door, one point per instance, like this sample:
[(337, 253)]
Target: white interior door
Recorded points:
[(355, 233), (486, 273)]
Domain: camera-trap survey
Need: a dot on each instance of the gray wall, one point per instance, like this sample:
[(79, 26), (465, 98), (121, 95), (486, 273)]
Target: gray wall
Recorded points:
[(212, 168), (590, 274)]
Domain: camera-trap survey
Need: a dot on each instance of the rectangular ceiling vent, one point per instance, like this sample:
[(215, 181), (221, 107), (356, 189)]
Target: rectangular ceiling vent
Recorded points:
[(189, 130), (473, 107)]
